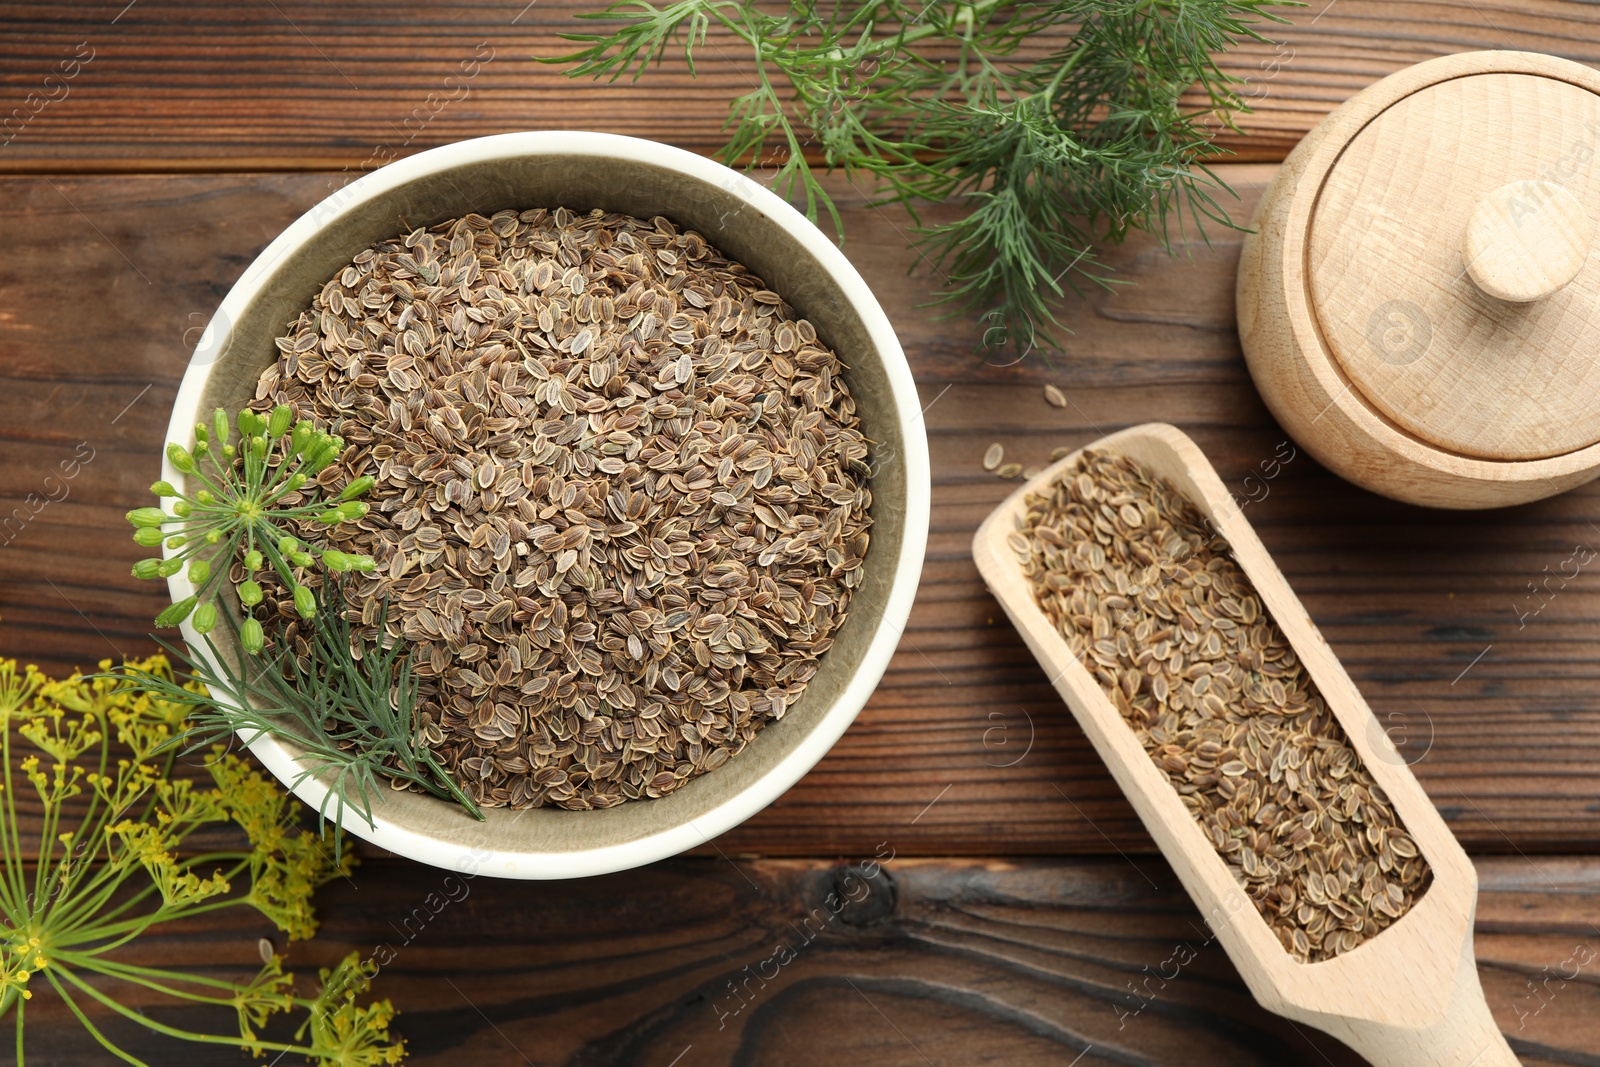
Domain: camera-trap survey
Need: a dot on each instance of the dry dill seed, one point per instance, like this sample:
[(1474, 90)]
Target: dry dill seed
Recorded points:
[(1010, 470), (621, 499), (1125, 568), (992, 458), (1055, 396)]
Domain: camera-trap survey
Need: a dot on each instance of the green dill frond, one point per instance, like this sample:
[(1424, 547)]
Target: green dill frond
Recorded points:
[(1053, 157), (349, 705)]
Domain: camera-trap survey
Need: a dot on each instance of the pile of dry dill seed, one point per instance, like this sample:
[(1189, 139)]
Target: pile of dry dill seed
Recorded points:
[(621, 500), (1127, 569)]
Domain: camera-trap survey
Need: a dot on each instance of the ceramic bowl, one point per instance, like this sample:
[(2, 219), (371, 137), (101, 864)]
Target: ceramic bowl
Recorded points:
[(750, 225)]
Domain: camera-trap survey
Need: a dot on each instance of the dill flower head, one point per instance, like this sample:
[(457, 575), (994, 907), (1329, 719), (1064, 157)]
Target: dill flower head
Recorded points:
[(234, 506)]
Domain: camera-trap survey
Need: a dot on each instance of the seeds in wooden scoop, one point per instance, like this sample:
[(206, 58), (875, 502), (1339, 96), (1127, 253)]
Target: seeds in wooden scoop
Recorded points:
[(1127, 569), (621, 499)]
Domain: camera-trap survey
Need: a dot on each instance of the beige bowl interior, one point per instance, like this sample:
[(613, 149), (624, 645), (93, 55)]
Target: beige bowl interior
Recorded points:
[(744, 234)]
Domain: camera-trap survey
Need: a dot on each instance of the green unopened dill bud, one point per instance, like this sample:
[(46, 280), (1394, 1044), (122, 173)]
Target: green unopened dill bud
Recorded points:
[(364, 564), (252, 561), (305, 602), (329, 518), (163, 489), (295, 481), (287, 545), (147, 537), (176, 613), (205, 617), (199, 571), (258, 445), (302, 559), (202, 433), (147, 569), (229, 451), (354, 509), (251, 637), (200, 449), (213, 537), (340, 562), (249, 593), (182, 509), (358, 487), (142, 517), (247, 421), (169, 567), (204, 497), (329, 447), (302, 436), (278, 424), (219, 419), (180, 458), (177, 541)]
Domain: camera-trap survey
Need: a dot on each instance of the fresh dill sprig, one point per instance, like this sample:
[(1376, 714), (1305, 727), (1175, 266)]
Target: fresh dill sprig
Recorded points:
[(349, 705), (1053, 156)]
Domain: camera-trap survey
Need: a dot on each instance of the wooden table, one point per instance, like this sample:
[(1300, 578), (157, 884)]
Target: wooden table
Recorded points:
[(1024, 901)]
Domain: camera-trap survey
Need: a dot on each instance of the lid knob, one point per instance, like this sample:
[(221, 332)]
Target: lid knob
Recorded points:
[(1526, 240)]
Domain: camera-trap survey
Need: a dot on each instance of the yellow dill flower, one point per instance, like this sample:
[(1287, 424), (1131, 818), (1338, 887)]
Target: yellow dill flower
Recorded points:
[(134, 827)]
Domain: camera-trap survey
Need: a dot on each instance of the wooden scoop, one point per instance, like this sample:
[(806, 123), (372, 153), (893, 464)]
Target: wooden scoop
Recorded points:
[(1407, 998)]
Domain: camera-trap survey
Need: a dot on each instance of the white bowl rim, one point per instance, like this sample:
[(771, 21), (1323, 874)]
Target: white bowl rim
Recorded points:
[(830, 727)]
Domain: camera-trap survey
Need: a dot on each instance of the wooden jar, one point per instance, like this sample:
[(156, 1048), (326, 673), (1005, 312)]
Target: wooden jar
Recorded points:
[(1417, 303)]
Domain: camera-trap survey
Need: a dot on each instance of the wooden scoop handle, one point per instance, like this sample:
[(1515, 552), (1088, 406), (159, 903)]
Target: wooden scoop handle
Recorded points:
[(1465, 1036)]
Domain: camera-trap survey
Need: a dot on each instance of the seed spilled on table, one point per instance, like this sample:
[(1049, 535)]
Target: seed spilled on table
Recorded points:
[(1129, 572), (621, 500)]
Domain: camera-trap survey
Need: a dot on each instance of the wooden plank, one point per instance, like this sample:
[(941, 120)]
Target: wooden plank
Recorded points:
[(295, 84), (964, 750), (938, 962)]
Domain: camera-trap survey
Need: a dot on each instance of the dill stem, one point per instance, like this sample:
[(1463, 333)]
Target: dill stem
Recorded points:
[(12, 848), (153, 978), (125, 930), (13, 860), (171, 1031), (88, 828), (70, 926), (94, 1031)]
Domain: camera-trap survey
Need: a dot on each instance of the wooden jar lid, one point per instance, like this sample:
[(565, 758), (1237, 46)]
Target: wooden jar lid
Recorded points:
[(1449, 265), (1418, 305)]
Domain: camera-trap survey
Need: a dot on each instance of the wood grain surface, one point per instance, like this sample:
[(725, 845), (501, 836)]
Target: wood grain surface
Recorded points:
[(296, 84), (702, 962), (1471, 637), (187, 135)]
